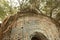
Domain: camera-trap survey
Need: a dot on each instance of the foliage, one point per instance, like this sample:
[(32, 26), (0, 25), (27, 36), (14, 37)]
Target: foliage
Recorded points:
[(49, 8), (6, 9)]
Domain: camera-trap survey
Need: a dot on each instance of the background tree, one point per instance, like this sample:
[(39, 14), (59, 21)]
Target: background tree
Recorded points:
[(6, 9), (49, 8)]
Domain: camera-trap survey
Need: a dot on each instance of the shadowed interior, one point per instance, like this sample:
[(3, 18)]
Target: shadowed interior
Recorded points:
[(39, 36)]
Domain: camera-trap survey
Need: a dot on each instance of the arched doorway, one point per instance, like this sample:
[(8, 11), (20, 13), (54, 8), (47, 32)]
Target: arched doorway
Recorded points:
[(39, 36), (35, 38)]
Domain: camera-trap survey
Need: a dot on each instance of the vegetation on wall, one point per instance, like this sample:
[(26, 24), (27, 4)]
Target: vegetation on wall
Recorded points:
[(49, 8)]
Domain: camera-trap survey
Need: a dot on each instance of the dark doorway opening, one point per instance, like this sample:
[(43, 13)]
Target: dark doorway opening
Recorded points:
[(38, 36), (35, 38)]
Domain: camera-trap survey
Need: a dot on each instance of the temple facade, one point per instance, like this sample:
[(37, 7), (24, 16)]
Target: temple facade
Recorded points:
[(30, 26)]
